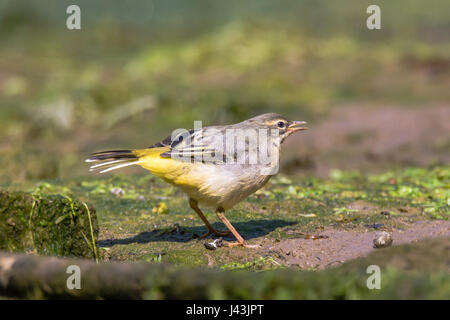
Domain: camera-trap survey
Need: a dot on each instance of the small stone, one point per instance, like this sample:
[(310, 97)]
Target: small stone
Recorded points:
[(117, 191), (382, 240), (210, 245), (219, 242), (214, 245)]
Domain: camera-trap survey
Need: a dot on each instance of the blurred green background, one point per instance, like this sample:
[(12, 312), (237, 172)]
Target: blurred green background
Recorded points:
[(139, 69)]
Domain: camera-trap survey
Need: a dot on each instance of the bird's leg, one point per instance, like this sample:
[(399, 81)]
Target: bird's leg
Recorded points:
[(240, 241), (194, 205)]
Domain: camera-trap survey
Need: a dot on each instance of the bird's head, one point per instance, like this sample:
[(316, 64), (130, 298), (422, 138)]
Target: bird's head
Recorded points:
[(275, 121)]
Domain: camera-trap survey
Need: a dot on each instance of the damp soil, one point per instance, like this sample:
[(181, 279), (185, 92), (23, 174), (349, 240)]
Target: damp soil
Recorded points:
[(334, 247)]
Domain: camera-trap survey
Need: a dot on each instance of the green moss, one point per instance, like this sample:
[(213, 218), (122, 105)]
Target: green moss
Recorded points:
[(189, 257), (46, 224), (260, 264), (285, 208)]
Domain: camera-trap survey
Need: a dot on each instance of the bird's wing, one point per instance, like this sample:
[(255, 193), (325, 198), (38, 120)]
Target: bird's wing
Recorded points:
[(206, 144), (214, 144), (171, 141)]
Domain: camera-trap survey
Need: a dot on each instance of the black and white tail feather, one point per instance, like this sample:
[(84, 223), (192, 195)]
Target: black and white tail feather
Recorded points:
[(111, 160)]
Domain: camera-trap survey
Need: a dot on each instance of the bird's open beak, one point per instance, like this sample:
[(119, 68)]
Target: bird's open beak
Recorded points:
[(296, 126)]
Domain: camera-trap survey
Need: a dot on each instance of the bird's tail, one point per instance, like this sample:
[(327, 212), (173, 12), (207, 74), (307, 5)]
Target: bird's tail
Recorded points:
[(106, 161)]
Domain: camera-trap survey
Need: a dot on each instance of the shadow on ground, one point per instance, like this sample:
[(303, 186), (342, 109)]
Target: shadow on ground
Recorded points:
[(176, 233)]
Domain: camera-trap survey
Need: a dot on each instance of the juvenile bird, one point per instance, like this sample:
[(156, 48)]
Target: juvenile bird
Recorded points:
[(218, 166)]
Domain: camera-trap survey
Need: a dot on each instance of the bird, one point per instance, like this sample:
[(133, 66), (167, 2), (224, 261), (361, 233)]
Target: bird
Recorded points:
[(216, 166)]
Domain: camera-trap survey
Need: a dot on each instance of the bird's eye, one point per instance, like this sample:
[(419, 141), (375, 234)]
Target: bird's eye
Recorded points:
[(280, 124)]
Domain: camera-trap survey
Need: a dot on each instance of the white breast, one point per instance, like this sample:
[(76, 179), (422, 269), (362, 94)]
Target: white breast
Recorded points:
[(226, 185)]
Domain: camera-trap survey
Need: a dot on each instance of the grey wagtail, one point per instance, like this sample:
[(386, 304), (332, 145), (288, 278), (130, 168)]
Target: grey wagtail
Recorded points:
[(218, 166)]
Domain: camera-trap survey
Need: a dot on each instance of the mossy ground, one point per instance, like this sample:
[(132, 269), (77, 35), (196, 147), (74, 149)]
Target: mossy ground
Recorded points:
[(132, 228), (47, 224)]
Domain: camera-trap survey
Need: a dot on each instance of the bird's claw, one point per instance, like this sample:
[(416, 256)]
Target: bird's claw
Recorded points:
[(243, 244)]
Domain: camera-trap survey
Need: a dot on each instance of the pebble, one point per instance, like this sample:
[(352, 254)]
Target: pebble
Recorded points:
[(382, 240), (214, 245), (117, 191)]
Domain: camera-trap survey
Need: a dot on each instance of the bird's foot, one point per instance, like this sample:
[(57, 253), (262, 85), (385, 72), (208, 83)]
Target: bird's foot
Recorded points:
[(218, 233), (243, 244)]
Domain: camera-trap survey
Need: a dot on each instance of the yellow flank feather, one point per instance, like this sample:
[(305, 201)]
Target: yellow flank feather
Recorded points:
[(173, 171)]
